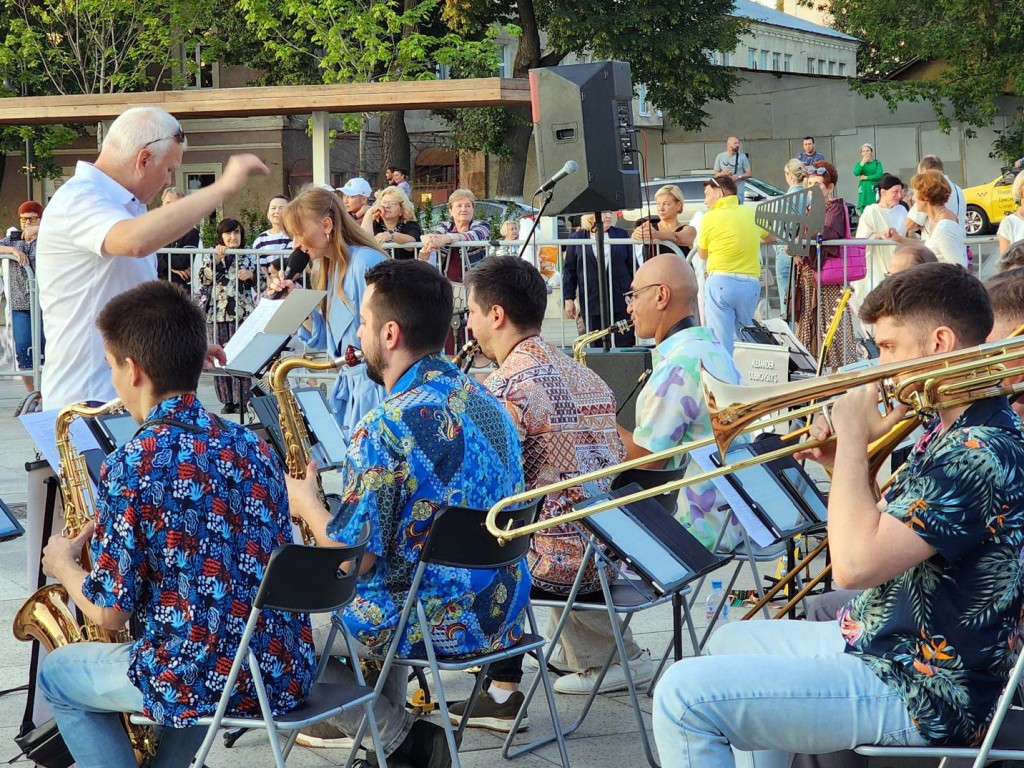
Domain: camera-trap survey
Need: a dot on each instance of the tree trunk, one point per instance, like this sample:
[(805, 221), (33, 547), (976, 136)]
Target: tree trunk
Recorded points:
[(395, 142), (511, 170)]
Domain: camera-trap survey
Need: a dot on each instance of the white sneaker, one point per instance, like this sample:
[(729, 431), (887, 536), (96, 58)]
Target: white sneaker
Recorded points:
[(582, 683)]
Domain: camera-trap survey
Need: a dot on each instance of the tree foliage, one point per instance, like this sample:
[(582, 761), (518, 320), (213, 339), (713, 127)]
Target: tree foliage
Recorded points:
[(976, 46), (667, 44)]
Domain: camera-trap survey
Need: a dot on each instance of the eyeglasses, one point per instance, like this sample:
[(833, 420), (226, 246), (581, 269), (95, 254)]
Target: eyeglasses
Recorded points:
[(818, 171), (180, 136), (630, 296), (713, 182), (28, 218)]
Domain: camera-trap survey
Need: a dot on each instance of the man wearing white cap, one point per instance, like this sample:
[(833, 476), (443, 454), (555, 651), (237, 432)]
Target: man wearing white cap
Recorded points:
[(356, 195)]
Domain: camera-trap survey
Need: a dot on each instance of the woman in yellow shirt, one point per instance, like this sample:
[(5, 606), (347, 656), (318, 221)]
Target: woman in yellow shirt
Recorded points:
[(730, 240)]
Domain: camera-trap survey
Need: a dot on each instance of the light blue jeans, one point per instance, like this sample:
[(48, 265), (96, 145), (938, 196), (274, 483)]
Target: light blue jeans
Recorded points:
[(808, 697), (729, 305), (783, 276), (87, 686)]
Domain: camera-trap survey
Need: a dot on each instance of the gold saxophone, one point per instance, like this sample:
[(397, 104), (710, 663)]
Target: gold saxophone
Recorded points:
[(579, 347), (46, 615), (464, 359), (293, 426)]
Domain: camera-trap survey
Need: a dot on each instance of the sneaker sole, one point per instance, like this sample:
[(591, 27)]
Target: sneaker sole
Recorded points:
[(607, 687), (500, 725), (312, 742)]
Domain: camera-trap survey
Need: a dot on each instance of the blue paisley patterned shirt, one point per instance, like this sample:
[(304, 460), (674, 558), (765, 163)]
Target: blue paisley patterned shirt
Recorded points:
[(944, 634), (439, 439), (187, 521)]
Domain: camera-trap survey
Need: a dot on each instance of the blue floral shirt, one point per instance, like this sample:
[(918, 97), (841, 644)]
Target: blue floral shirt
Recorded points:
[(187, 522), (439, 439), (944, 634)]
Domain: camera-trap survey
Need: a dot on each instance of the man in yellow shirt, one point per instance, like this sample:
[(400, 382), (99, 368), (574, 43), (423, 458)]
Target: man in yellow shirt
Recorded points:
[(730, 241)]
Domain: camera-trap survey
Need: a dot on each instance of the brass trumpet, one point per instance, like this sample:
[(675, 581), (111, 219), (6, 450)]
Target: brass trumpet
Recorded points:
[(926, 385), (579, 347)]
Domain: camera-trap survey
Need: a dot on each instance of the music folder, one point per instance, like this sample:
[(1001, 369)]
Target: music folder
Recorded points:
[(651, 541)]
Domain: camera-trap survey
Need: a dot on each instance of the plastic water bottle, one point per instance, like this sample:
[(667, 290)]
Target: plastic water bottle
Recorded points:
[(714, 598)]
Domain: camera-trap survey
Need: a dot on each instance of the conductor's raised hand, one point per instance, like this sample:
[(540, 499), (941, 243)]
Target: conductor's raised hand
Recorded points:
[(238, 170)]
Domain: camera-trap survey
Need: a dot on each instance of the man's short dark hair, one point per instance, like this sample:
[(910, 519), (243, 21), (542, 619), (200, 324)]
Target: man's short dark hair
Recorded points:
[(931, 295), (808, 138), (158, 326), (1006, 292), (415, 295), (513, 284)]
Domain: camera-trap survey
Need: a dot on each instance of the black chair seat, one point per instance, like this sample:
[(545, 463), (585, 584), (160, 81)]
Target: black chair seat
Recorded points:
[(325, 697)]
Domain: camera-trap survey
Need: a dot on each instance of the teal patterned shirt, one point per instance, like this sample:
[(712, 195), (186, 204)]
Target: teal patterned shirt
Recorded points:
[(439, 439), (670, 410), (945, 633)]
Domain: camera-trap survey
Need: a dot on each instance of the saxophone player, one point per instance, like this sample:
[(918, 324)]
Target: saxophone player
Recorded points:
[(189, 512)]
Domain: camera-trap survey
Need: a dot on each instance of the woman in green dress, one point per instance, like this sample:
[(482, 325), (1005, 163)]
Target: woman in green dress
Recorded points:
[(869, 171)]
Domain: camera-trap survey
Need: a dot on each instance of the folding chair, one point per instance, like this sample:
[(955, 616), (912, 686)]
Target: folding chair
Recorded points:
[(298, 579), (1004, 739), (665, 558), (458, 539)]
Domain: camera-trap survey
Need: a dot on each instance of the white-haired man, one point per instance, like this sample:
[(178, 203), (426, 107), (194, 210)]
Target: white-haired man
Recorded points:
[(101, 241)]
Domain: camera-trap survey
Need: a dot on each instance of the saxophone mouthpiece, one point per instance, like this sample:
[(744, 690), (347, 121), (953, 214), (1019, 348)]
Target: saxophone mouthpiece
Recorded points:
[(353, 356)]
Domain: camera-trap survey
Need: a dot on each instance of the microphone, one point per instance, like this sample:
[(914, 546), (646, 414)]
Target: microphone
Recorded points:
[(296, 265), (570, 167)]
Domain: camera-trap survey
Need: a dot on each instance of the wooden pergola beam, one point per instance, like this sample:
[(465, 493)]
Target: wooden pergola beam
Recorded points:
[(275, 100)]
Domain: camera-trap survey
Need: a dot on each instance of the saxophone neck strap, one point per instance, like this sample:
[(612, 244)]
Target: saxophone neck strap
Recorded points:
[(175, 423)]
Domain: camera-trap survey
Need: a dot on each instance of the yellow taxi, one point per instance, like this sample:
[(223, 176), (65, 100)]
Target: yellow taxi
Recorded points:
[(987, 204)]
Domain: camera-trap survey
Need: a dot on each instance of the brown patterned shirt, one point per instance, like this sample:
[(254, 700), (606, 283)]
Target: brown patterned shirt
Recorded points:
[(565, 415)]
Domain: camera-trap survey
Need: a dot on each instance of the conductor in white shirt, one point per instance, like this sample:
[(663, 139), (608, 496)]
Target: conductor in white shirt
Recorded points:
[(98, 240)]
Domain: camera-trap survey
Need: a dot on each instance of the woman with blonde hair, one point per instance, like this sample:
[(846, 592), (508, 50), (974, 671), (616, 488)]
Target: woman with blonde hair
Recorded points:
[(462, 226), (341, 252), (392, 219), (665, 226), (1011, 228), (795, 173)]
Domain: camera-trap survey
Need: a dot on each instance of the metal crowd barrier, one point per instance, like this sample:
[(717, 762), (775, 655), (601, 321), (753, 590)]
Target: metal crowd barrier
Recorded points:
[(36, 321)]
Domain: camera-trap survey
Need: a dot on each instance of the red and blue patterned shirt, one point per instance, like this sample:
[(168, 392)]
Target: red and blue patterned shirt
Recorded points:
[(189, 514)]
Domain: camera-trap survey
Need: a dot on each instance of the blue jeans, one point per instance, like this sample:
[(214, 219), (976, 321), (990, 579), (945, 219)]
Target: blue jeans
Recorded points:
[(808, 697), (729, 305), (21, 325), (87, 686), (783, 276)]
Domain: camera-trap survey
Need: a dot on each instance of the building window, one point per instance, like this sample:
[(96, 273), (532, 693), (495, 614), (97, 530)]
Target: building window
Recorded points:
[(776, 61), (764, 59), (195, 72), (831, 67), (504, 63), (821, 66), (644, 106), (442, 72), (810, 66), (752, 58), (842, 69), (727, 59), (787, 62)]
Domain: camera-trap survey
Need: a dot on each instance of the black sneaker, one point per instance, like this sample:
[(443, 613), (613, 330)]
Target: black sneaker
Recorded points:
[(424, 747), (489, 714)]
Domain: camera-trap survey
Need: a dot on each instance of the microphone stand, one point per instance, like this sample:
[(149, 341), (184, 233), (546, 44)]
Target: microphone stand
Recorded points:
[(602, 280), (545, 200)]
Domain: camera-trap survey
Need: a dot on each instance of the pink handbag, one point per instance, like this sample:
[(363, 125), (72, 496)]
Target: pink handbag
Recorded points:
[(856, 261)]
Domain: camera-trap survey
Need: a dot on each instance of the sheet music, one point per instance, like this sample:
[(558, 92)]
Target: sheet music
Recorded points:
[(42, 426), (274, 316), (758, 531)]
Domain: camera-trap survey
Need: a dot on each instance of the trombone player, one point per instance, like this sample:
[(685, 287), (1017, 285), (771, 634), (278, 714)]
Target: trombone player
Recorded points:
[(922, 654), (670, 409)]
